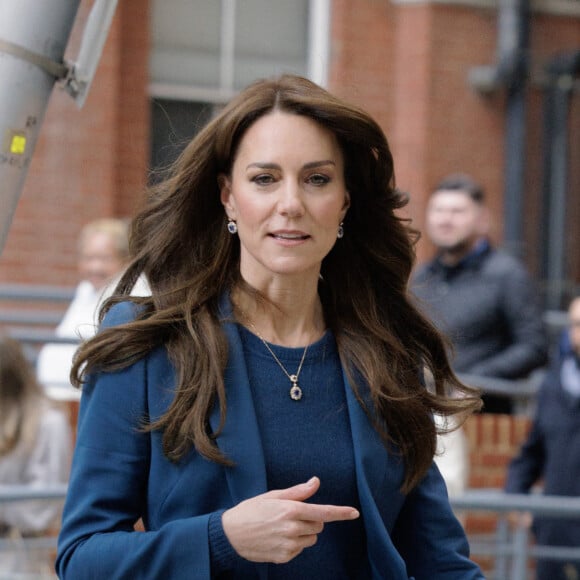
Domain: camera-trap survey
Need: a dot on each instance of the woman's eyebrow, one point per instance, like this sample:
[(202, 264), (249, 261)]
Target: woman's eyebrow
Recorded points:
[(312, 164), (309, 165), (263, 165)]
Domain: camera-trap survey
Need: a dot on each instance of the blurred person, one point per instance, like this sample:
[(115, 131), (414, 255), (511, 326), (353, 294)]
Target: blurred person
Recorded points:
[(35, 452), (550, 456), (481, 297), (103, 251), (263, 410)]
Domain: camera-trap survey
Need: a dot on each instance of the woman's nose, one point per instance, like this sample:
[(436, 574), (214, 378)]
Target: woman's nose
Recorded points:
[(291, 202)]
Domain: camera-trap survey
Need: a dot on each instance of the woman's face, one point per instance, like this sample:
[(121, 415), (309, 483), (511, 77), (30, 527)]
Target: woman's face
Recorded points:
[(287, 194)]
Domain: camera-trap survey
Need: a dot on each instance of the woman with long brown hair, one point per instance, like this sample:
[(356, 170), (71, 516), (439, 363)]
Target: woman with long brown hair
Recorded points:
[(266, 405)]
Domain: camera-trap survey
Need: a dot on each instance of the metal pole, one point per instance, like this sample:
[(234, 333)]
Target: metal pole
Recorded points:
[(33, 38), (502, 540), (557, 193), (562, 71), (513, 43), (510, 72), (515, 158), (520, 553), (319, 41)]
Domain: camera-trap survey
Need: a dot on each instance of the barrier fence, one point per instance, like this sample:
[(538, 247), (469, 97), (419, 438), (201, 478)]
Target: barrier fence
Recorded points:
[(512, 547), (19, 555), (29, 313)]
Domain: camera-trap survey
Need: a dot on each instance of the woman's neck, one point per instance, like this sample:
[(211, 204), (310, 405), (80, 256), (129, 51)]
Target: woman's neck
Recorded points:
[(286, 318)]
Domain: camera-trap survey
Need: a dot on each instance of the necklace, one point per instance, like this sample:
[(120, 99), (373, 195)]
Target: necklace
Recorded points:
[(295, 390)]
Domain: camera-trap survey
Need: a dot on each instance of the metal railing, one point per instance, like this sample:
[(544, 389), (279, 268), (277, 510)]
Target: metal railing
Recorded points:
[(29, 546), (514, 549), (36, 292), (521, 392), (34, 326), (30, 313)]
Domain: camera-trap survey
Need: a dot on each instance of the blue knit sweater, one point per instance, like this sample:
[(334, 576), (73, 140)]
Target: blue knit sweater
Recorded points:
[(301, 439)]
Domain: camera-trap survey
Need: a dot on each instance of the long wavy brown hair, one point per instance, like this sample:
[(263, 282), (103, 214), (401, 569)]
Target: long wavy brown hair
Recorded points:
[(180, 242)]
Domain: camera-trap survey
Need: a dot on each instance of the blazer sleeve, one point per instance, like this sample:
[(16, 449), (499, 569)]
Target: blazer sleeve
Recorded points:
[(108, 489), (429, 537)]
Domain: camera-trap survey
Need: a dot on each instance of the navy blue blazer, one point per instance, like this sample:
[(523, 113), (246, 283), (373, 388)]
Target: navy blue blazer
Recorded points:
[(120, 474)]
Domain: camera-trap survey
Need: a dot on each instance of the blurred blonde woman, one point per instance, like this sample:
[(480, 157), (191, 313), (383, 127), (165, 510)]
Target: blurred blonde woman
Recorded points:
[(35, 449)]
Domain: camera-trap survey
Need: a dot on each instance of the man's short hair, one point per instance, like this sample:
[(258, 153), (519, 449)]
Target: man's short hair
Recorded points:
[(462, 182)]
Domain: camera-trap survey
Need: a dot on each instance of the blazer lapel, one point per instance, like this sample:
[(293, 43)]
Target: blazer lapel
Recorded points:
[(379, 476), (240, 437)]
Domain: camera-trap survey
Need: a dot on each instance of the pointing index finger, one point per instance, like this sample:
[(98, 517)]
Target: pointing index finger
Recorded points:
[(328, 513)]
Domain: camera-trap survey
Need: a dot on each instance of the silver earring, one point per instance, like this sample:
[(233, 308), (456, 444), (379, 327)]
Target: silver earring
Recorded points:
[(232, 227), (340, 232)]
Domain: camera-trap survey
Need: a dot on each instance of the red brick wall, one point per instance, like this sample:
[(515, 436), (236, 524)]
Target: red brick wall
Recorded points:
[(407, 63), (133, 107), (361, 53), (551, 35), (493, 440), (88, 163)]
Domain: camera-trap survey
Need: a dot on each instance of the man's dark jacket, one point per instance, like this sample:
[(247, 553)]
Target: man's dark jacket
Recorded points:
[(489, 308), (551, 453)]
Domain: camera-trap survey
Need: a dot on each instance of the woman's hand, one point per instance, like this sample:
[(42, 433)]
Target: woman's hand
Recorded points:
[(276, 526)]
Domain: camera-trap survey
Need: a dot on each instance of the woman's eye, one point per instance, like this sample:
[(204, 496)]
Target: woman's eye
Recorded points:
[(318, 179), (263, 179)]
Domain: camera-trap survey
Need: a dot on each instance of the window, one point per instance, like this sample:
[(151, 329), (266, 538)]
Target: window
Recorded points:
[(203, 51)]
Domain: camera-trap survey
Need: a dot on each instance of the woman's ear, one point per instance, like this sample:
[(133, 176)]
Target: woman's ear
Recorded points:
[(346, 204), (225, 188)]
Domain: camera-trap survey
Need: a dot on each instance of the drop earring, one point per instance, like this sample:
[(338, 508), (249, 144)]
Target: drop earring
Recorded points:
[(340, 232), (232, 227)]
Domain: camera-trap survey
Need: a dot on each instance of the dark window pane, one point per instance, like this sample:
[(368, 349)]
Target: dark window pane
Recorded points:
[(173, 124)]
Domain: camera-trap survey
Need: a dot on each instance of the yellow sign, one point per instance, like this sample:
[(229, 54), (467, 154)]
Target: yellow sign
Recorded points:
[(18, 144)]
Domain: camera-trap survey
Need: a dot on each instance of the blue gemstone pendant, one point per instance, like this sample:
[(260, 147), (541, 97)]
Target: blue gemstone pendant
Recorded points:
[(295, 392)]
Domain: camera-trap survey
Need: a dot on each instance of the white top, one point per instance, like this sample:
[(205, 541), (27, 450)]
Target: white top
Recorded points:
[(80, 322), (452, 458)]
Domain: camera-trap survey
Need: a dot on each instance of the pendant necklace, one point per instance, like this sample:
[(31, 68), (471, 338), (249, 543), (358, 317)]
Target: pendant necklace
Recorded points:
[(295, 390)]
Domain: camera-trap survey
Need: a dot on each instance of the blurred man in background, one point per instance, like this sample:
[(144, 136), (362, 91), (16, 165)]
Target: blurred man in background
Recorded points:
[(551, 453), (482, 297)]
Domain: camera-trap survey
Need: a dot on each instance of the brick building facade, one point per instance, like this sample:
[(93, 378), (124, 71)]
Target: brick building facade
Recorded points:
[(406, 61)]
